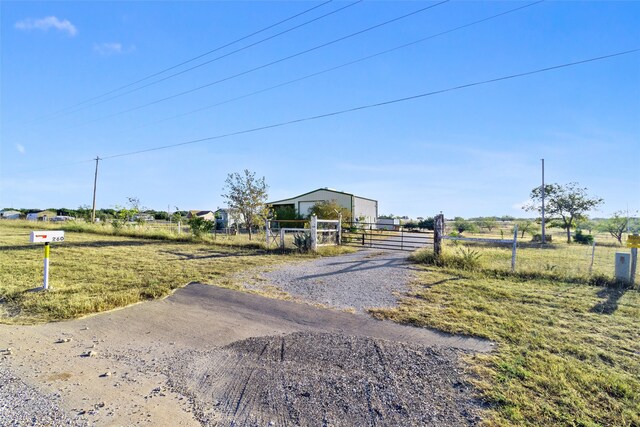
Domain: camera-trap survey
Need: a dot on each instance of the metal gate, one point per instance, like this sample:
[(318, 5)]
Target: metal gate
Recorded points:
[(371, 235)]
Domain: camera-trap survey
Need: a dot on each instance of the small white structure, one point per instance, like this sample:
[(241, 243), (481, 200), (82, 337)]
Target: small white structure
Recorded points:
[(388, 224), (40, 216), (10, 214), (143, 217), (62, 218), (361, 208)]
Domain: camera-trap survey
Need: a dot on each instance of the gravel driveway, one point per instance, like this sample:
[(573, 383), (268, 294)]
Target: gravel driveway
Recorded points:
[(364, 279), (216, 357)]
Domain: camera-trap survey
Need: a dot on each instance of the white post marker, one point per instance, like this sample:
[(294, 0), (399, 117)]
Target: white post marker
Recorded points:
[(46, 237)]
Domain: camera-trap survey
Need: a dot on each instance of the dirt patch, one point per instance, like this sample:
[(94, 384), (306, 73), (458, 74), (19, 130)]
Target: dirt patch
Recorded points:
[(315, 379)]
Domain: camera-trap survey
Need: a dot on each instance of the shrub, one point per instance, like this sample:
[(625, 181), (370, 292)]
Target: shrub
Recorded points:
[(538, 238), (302, 242), (200, 226), (583, 239), (463, 259)]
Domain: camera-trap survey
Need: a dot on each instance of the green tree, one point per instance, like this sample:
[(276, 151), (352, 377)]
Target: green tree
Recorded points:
[(287, 212), (248, 196), (461, 225), (84, 212), (410, 225), (567, 204), (525, 226), (330, 209), (487, 222), (427, 223), (616, 225)]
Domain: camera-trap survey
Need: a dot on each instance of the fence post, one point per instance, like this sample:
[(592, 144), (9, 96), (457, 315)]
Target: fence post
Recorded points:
[(340, 229), (634, 264), (281, 238), (267, 231), (314, 233), (438, 231), (593, 253), (513, 251)]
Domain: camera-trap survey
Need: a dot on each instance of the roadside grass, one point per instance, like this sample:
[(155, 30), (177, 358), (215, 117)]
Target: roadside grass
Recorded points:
[(568, 354), (91, 273), (554, 260)]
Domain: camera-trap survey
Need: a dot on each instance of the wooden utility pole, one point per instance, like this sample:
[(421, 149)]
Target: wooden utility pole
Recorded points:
[(543, 232), (95, 183)]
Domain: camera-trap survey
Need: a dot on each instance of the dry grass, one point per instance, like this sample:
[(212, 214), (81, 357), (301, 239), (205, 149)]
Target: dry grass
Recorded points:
[(568, 354), (557, 260), (92, 273)]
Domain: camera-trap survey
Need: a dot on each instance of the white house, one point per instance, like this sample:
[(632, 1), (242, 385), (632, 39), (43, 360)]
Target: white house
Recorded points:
[(207, 215), (361, 208), (225, 218)]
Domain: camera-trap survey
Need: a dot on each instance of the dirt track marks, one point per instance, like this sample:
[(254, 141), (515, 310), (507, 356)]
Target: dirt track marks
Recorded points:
[(312, 379)]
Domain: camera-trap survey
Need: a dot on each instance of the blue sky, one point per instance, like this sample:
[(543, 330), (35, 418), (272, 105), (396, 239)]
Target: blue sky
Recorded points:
[(470, 152)]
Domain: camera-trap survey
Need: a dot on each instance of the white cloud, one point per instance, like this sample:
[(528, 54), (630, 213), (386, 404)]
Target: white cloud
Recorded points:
[(111, 48), (46, 23), (20, 148)]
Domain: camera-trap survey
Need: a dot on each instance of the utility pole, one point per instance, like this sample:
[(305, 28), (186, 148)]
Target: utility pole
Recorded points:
[(95, 183), (544, 240)]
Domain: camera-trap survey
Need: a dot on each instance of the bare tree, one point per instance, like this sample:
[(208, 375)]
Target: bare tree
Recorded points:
[(248, 196)]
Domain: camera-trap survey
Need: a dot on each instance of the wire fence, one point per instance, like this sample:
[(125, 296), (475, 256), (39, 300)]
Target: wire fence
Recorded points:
[(557, 257)]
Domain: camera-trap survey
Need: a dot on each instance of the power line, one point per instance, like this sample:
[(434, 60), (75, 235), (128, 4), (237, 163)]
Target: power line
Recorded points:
[(157, 101), (379, 104), (216, 58), (363, 107), (195, 58), (346, 64)]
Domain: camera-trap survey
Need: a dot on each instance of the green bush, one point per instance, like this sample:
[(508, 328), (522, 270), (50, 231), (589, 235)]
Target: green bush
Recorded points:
[(463, 258), (200, 226), (538, 238), (583, 239), (302, 242)]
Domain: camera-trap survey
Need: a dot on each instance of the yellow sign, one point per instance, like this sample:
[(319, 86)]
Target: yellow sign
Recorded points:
[(633, 241)]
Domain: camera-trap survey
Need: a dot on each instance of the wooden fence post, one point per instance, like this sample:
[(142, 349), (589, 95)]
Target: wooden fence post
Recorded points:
[(438, 232), (314, 233), (634, 265), (513, 251), (593, 255), (339, 229), (267, 230)]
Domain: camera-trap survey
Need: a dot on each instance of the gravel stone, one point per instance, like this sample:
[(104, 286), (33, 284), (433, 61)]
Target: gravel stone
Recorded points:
[(364, 279), (23, 405)]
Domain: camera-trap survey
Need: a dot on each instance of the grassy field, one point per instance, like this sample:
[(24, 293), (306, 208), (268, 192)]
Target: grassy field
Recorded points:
[(557, 259), (568, 354), (91, 272)]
